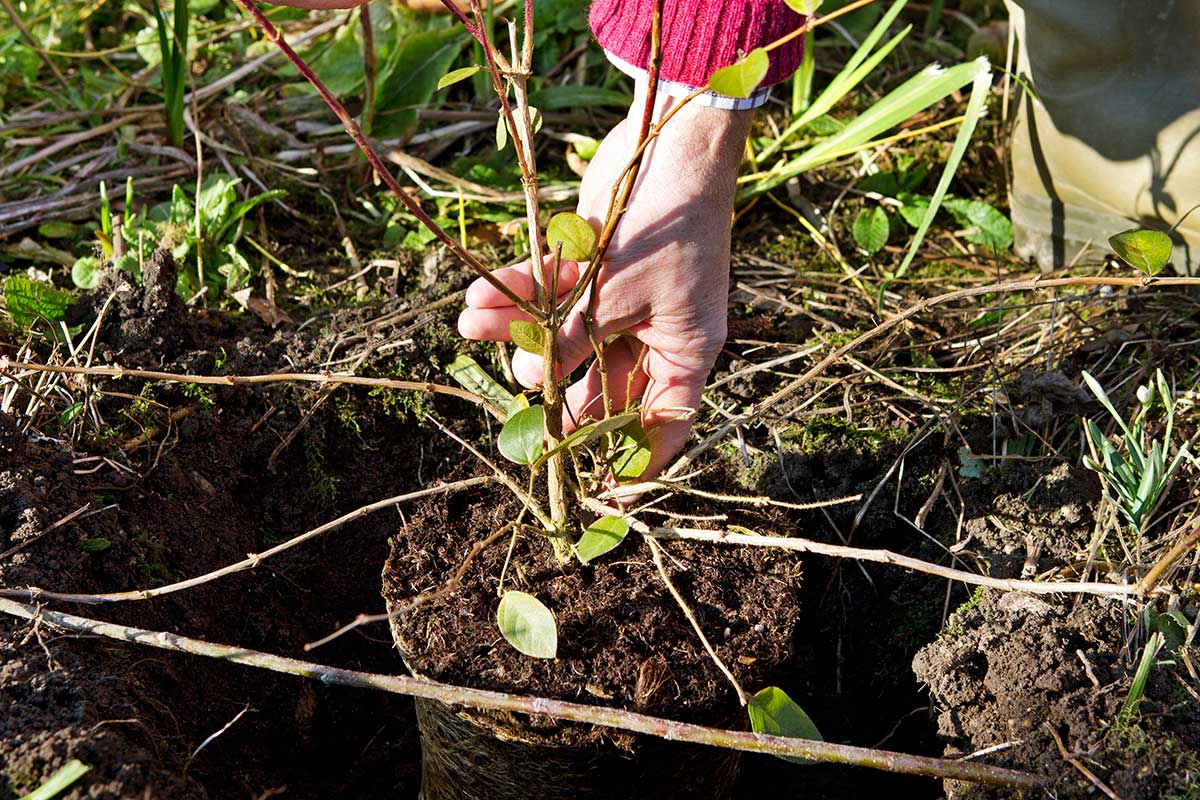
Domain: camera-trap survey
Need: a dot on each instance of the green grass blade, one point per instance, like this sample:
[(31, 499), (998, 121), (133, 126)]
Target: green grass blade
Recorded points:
[(981, 83), (1138, 689), (60, 781), (929, 86), (856, 69), (1102, 396)]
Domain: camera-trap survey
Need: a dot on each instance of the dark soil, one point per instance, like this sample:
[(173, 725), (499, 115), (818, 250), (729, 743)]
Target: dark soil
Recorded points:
[(1014, 667), (197, 478)]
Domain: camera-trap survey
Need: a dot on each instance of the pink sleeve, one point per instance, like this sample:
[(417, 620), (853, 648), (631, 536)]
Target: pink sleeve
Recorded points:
[(699, 36)]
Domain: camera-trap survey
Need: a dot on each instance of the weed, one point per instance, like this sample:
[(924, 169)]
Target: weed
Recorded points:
[(1134, 481)]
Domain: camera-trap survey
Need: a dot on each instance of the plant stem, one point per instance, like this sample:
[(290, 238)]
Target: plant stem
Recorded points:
[(252, 561), (330, 378), (559, 709)]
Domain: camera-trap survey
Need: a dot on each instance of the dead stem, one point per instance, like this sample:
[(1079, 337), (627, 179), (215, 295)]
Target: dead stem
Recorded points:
[(800, 545), (756, 410), (559, 709), (34, 593), (656, 553), (421, 599), (522, 495), (324, 378)]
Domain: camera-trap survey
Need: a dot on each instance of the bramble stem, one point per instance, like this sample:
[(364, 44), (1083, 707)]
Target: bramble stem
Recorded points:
[(559, 709)]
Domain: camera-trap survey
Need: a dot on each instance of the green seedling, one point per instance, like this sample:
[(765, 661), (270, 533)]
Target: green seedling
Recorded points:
[(201, 229), (64, 778), (1136, 471)]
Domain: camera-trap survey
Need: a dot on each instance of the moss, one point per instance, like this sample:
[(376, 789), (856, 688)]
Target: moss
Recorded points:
[(151, 567), (954, 626), (828, 432), (324, 486)]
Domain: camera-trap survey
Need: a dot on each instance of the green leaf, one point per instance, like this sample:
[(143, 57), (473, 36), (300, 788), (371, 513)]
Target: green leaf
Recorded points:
[(805, 7), (523, 437), (58, 230), (742, 78), (1145, 250), (409, 79), (914, 208), (772, 712), (28, 301), (97, 545), (454, 76), (995, 229), (871, 229), (466, 372), (501, 131), (589, 432), (971, 466), (60, 781), (69, 413), (632, 453), (601, 536), (576, 234), (85, 272), (572, 96), (529, 336), (527, 625)]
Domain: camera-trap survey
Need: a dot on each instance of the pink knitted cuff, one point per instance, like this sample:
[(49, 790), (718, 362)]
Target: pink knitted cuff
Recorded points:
[(699, 36)]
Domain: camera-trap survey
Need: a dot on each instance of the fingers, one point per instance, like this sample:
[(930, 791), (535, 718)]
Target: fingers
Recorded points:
[(481, 294), (625, 379), (671, 400)]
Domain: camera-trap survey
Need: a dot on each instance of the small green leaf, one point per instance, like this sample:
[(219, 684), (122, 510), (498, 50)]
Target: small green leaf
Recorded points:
[(97, 545), (601, 536), (871, 229), (501, 132), (915, 207), (527, 625), (971, 466), (85, 272), (529, 336), (772, 712), (453, 77), (741, 78), (577, 236), (632, 453), (805, 7), (69, 413), (994, 229), (523, 437), (1145, 250), (58, 230), (586, 147)]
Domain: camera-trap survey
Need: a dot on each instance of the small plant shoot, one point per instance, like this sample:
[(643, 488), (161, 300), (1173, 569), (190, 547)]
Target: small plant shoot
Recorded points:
[(527, 625)]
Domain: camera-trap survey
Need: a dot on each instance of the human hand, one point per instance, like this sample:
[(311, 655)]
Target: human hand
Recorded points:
[(665, 281)]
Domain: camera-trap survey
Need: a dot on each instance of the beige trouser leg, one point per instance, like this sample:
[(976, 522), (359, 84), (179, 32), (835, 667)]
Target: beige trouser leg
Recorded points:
[(1115, 140)]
